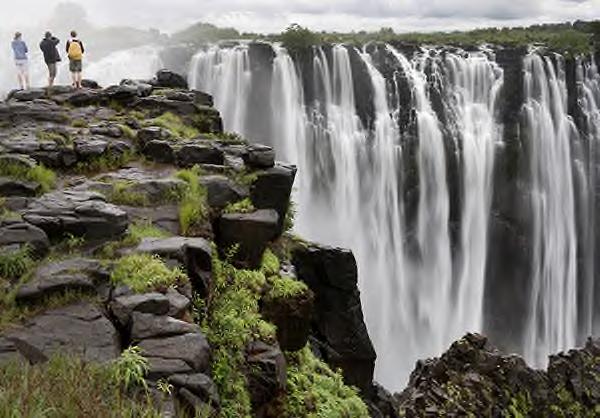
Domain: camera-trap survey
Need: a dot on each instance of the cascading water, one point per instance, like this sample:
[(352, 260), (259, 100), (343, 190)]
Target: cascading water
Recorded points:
[(552, 323), (422, 274)]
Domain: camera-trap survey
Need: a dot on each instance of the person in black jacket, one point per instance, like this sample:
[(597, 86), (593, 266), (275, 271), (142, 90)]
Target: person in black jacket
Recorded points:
[(51, 55)]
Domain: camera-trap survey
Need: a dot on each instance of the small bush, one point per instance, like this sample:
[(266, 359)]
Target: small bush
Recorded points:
[(285, 287), (175, 125), (14, 264), (193, 210), (67, 387), (270, 265), (297, 38), (243, 206), (130, 369), (45, 177), (144, 272)]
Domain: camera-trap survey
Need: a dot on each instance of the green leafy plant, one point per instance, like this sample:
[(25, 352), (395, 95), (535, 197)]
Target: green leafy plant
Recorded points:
[(130, 369), (193, 209), (45, 177), (72, 242), (175, 125), (144, 272), (122, 194), (297, 38), (15, 263), (135, 234), (243, 206)]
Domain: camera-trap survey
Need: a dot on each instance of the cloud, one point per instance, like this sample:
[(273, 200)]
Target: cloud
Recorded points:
[(274, 15)]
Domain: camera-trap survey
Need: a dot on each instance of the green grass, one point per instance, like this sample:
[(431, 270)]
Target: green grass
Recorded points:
[(135, 234), (144, 272), (270, 265), (104, 163), (233, 320), (314, 391), (45, 177), (127, 131), (14, 264), (53, 137), (175, 125), (193, 208), (121, 194), (79, 123), (68, 387), (283, 287), (243, 206)]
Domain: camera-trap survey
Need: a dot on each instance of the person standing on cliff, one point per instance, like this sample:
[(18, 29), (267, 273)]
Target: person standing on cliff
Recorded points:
[(75, 52), (51, 55), (20, 51)]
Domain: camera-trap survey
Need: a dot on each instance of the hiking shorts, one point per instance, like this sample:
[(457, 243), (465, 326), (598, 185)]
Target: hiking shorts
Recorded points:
[(52, 69), (75, 66), (22, 66)]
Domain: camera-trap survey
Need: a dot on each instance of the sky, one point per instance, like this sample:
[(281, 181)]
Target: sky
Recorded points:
[(266, 16)]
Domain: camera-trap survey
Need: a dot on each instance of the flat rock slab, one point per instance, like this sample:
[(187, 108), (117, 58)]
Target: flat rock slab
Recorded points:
[(80, 329), (146, 326), (123, 307), (221, 191), (13, 187), (161, 368), (55, 278), (191, 348), (199, 384), (79, 213)]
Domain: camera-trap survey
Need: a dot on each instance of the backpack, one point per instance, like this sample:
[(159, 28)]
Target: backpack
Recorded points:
[(75, 51)]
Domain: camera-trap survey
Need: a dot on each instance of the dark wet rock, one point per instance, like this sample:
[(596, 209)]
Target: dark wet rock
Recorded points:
[(292, 316), (272, 190), (200, 385), (11, 187), (166, 78), (123, 94), (110, 130), (160, 151), (90, 148), (331, 273), (199, 152), (259, 156), (179, 304), (152, 133), (163, 216), (144, 326), (81, 330), (48, 153), (251, 231), (160, 104), (267, 373), (9, 353), (36, 111), (122, 307), (16, 232), (90, 84), (27, 95), (144, 89), (221, 191), (78, 213), (191, 348), (203, 99), (162, 368), (18, 160), (381, 403), (55, 278), (195, 405)]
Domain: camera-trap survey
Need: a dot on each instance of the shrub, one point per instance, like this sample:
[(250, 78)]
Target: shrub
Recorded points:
[(144, 272), (297, 38), (283, 287), (67, 387), (193, 210), (39, 174), (270, 265), (130, 369), (313, 390), (175, 125), (243, 206), (14, 264)]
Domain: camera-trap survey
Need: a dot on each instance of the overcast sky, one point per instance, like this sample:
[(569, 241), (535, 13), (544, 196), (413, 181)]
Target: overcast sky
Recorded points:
[(274, 15)]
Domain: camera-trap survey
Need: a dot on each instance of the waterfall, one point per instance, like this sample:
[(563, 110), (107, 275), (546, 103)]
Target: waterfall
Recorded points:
[(552, 322), (225, 73)]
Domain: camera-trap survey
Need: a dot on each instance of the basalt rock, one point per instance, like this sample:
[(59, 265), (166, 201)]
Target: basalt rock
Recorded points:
[(166, 78), (221, 191), (16, 232), (331, 273), (193, 349), (272, 190), (146, 326), (267, 373)]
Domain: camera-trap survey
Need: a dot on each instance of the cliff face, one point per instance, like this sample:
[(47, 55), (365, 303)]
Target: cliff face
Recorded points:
[(133, 229)]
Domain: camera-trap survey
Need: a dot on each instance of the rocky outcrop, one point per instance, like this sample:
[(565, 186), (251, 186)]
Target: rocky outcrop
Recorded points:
[(272, 190), (338, 323), (474, 379), (21, 234)]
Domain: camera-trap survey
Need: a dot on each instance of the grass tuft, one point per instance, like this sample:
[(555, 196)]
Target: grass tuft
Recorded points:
[(45, 177), (135, 234), (243, 206), (193, 208), (145, 272), (175, 125)]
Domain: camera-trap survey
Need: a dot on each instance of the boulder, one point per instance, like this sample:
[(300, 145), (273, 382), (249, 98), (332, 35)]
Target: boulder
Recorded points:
[(251, 232), (178, 303), (145, 326), (160, 151), (272, 190), (195, 405), (259, 156), (221, 191), (199, 152), (17, 232), (191, 348), (77, 274), (162, 368), (331, 273), (76, 212), (198, 384), (27, 95), (10, 187), (144, 89), (80, 330), (9, 353), (123, 94), (19, 160), (152, 133), (266, 373), (90, 84), (169, 79), (90, 148), (122, 307), (110, 130)]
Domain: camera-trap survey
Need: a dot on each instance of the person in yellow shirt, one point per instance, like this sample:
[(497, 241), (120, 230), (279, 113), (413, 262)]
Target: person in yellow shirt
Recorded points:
[(75, 51)]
